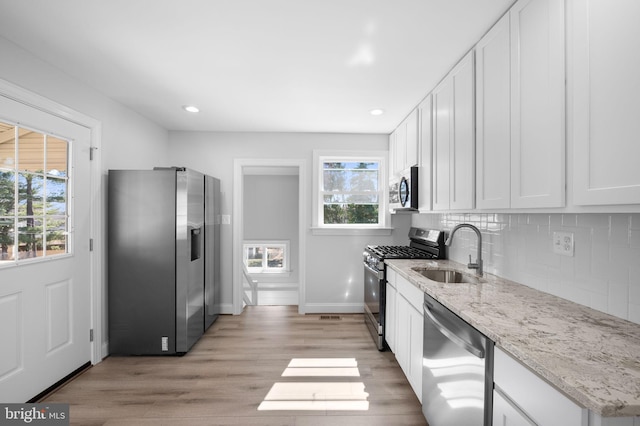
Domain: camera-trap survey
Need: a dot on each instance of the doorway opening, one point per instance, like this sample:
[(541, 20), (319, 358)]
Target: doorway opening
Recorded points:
[(268, 233)]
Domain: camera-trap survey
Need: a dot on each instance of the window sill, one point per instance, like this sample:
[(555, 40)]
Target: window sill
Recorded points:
[(350, 231), (269, 274)]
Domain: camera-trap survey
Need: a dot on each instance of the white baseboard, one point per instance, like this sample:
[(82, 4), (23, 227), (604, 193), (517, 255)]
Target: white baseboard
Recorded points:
[(332, 308), (105, 350), (226, 308)]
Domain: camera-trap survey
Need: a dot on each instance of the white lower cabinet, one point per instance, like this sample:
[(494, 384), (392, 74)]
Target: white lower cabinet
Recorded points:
[(523, 398), (410, 324), (505, 413), (404, 326)]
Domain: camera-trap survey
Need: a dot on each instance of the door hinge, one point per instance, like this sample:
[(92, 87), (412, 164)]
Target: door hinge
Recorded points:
[(91, 335), (90, 244), (91, 149)]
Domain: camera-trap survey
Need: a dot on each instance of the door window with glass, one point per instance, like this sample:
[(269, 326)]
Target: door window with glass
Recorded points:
[(34, 188)]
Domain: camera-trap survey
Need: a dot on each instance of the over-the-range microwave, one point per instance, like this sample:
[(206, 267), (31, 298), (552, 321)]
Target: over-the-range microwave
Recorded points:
[(403, 191)]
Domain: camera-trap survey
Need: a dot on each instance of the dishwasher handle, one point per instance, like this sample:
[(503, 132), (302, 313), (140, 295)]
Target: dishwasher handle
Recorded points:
[(451, 335)]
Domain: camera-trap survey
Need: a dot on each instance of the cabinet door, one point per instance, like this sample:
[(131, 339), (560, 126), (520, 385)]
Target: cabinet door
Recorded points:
[(403, 331), (392, 154), (401, 147), (415, 351), (390, 313), (603, 97), (493, 117), (549, 407), (462, 148), (424, 117), (411, 126), (505, 414), (442, 111), (409, 327), (537, 104)]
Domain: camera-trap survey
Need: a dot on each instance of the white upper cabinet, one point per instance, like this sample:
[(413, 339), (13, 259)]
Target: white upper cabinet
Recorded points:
[(425, 112), (604, 40), (411, 125), (442, 132), (537, 104), (462, 149), (401, 148), (493, 118), (403, 145), (454, 139)]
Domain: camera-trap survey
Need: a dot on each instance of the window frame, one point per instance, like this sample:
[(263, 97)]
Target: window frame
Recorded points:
[(318, 226), (264, 244)]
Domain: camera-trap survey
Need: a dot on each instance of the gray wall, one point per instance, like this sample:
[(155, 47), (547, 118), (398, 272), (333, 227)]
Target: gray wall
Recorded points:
[(334, 271), (128, 140)]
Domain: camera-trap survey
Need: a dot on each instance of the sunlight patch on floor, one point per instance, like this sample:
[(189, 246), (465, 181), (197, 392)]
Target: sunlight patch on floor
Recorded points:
[(303, 395)]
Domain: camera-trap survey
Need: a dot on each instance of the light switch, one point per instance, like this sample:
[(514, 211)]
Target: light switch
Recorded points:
[(563, 243)]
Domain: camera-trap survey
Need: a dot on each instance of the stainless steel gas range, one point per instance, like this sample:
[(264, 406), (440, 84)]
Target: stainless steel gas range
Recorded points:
[(423, 244)]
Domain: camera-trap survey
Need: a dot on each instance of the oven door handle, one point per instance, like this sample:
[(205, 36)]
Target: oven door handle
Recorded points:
[(379, 274), (451, 335)]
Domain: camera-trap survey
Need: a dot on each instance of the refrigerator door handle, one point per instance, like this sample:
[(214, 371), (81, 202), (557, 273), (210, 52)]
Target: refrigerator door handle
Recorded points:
[(195, 243)]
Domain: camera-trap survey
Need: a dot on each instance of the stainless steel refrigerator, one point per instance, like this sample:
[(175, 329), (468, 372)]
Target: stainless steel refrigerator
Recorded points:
[(158, 258)]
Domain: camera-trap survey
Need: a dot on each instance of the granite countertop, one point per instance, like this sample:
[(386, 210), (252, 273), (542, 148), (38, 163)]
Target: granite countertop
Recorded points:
[(592, 357)]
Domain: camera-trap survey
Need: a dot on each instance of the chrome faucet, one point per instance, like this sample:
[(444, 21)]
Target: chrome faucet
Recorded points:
[(478, 265)]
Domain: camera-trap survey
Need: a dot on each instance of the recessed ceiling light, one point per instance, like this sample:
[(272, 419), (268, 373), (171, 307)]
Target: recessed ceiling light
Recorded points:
[(191, 108), (376, 111)]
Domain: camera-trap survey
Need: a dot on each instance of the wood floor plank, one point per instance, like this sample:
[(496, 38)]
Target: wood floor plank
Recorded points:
[(228, 373)]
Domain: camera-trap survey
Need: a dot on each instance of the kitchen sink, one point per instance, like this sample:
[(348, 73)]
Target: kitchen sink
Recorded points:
[(447, 276)]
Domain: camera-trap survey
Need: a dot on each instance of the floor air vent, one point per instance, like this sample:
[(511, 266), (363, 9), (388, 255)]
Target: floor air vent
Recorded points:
[(329, 317)]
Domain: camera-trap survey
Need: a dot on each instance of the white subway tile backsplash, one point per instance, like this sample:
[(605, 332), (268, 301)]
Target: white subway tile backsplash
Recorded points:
[(604, 272), (634, 286), (634, 313), (634, 238), (570, 220), (620, 227), (618, 302)]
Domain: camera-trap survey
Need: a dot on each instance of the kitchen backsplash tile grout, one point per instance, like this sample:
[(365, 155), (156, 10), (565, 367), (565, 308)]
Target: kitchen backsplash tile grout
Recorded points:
[(603, 273)]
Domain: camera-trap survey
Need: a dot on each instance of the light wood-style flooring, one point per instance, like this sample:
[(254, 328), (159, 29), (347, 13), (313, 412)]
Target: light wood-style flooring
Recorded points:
[(226, 376)]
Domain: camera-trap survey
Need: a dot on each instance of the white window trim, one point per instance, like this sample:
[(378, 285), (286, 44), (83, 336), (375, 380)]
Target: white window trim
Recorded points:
[(285, 271), (319, 228)]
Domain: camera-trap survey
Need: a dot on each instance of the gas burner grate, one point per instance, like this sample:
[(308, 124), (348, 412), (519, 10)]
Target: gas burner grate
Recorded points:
[(399, 252)]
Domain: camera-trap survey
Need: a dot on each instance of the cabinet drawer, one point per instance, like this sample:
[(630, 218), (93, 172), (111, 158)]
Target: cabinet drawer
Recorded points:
[(536, 398), (391, 276), (413, 294)]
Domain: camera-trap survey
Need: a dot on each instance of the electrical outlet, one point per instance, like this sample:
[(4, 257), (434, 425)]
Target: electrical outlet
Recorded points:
[(563, 243)]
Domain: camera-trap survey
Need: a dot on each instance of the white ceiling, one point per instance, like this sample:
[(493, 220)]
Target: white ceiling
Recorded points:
[(255, 65)]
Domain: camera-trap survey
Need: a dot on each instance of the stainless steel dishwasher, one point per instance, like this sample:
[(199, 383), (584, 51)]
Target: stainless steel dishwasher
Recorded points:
[(457, 370)]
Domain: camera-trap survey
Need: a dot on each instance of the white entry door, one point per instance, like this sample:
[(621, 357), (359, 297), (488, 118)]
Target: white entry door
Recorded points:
[(45, 291)]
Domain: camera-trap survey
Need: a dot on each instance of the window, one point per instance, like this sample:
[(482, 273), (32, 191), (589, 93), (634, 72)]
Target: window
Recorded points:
[(350, 191), (34, 187), (268, 257)]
